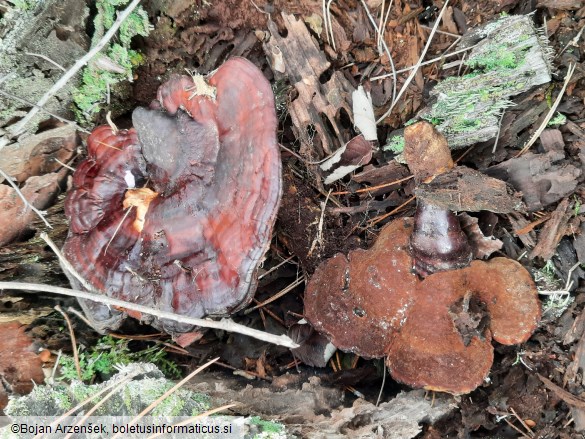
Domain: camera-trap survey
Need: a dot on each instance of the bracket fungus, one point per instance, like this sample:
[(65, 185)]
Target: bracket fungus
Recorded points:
[(177, 212), (416, 298)]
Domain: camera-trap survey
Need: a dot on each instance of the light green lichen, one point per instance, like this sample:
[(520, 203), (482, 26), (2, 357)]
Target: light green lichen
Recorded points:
[(558, 120), (395, 144), (134, 396)]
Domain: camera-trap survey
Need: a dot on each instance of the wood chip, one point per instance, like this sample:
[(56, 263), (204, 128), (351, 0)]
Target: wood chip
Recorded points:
[(552, 232)]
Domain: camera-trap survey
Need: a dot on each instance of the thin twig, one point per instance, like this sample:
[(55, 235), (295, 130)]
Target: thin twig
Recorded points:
[(59, 118), (65, 165), (498, 133), (46, 58), (278, 295), (201, 415), (24, 200), (79, 315), (530, 432), (392, 66), (382, 386), (167, 394), (73, 342), (551, 112), (17, 128), (392, 212), (417, 66), (66, 264), (373, 188), (276, 267), (224, 324), (431, 61), (100, 403)]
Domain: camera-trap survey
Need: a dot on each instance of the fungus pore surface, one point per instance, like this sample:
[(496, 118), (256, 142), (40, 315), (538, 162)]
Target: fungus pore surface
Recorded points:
[(177, 212)]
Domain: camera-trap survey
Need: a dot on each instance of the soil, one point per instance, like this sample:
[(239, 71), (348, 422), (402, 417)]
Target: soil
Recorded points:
[(535, 390)]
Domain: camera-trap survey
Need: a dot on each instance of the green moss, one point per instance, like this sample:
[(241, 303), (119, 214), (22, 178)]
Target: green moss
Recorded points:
[(268, 429), (97, 82), (109, 353)]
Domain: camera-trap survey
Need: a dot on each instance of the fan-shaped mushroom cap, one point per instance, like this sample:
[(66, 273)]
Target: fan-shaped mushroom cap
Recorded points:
[(178, 214)]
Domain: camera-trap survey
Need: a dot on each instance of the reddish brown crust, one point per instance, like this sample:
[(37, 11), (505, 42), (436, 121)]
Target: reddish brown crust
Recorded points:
[(410, 320), (360, 302), (216, 166)]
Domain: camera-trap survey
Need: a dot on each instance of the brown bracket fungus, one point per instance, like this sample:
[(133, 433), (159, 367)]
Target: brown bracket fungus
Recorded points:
[(177, 212), (436, 330)]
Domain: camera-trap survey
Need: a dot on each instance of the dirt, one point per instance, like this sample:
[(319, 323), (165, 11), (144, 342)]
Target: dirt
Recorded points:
[(534, 390)]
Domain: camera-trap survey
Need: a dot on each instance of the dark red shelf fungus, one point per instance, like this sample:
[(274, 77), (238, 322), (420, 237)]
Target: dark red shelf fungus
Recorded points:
[(416, 297), (177, 212)]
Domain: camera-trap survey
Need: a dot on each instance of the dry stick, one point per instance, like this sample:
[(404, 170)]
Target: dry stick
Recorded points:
[(551, 112), (46, 58), (392, 66), (224, 324), (392, 212), (73, 342), (417, 66), (278, 295), (24, 200), (101, 402), (66, 264), (19, 126), (193, 418), (167, 394), (59, 118), (373, 188), (439, 58)]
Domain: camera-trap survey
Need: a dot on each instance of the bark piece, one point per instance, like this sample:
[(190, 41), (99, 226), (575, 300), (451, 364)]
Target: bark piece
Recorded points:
[(15, 217), (481, 245), (465, 189), (319, 102), (543, 179), (20, 366), (36, 155)]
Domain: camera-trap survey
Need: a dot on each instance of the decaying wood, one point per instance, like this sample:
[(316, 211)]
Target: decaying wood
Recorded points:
[(316, 411), (54, 29), (38, 154), (468, 109), (31, 260), (543, 179), (20, 366), (465, 189), (15, 216), (319, 102)]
